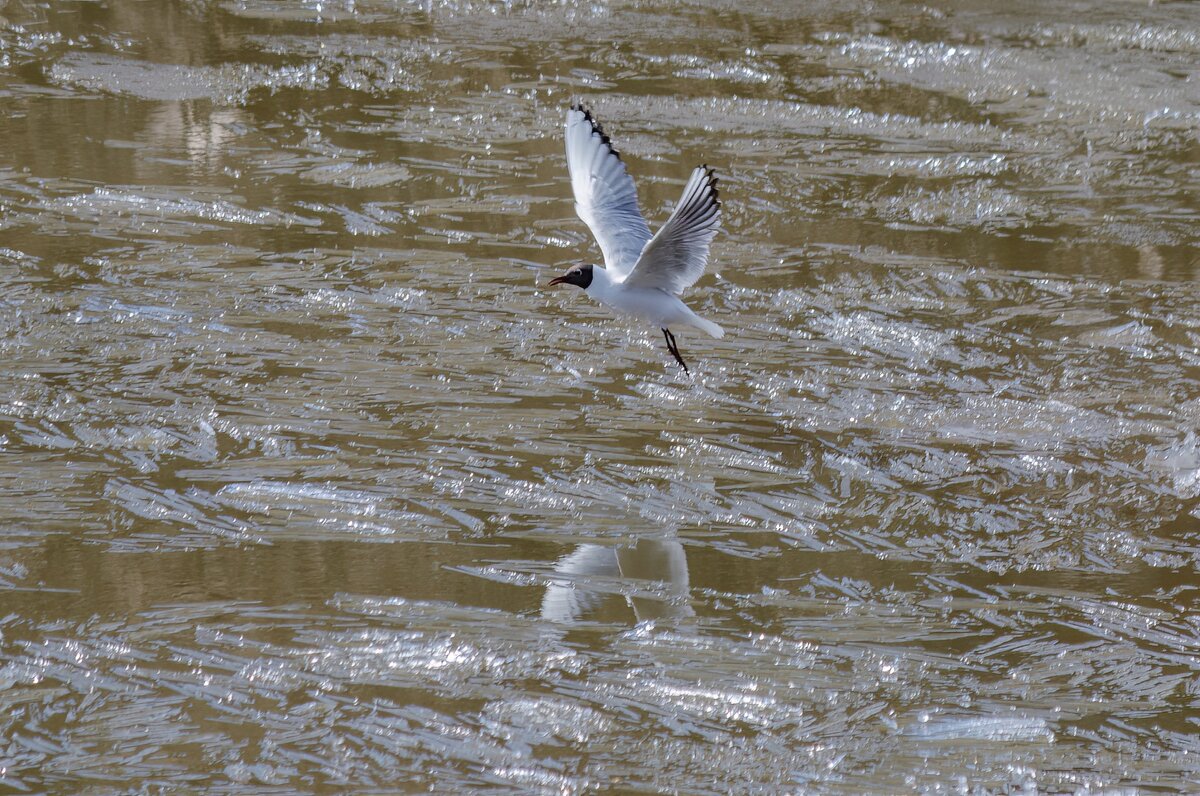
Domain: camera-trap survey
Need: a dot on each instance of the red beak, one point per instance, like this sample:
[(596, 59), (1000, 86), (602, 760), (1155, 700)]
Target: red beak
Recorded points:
[(558, 280)]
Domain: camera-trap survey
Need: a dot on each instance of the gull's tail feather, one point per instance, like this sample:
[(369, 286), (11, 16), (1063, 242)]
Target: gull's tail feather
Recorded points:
[(708, 327)]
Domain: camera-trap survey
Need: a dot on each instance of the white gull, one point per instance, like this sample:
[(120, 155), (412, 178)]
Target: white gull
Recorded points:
[(643, 275)]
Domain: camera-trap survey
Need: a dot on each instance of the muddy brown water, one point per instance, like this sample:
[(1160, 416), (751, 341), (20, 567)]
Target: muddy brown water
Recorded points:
[(310, 484)]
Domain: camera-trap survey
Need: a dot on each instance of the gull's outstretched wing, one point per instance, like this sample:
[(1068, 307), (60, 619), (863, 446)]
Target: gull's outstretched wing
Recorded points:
[(604, 194), (677, 254)]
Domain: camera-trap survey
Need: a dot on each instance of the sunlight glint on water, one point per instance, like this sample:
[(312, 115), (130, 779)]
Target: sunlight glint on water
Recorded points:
[(313, 485)]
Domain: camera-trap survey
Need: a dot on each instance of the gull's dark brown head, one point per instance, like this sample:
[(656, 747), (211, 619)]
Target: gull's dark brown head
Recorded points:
[(580, 275)]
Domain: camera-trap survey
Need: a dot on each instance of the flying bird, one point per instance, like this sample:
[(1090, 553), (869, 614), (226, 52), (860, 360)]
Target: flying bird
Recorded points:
[(642, 275)]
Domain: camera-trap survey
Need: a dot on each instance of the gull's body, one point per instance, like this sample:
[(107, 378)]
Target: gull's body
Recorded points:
[(643, 274), (648, 304)]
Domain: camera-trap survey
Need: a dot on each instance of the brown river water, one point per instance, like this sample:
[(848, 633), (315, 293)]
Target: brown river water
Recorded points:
[(311, 484)]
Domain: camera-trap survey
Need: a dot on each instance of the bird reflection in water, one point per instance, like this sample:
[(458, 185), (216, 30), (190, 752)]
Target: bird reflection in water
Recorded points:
[(593, 576)]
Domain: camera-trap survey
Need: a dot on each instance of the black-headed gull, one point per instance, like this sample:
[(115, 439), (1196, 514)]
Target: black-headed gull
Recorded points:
[(643, 275)]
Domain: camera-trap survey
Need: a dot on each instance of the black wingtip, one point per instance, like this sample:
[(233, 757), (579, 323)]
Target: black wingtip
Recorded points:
[(596, 128), (711, 174)]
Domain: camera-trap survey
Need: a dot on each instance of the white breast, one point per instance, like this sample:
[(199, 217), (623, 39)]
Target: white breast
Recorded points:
[(648, 305)]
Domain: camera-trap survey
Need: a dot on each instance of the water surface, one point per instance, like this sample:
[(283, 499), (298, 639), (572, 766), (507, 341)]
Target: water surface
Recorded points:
[(310, 484)]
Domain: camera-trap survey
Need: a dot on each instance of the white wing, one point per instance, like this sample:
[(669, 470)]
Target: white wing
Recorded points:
[(677, 254), (604, 194)]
